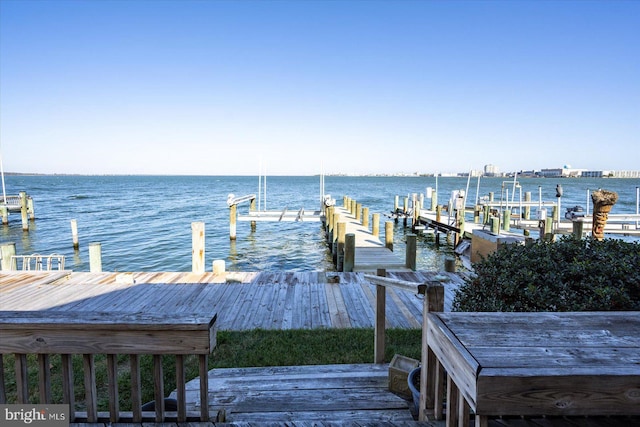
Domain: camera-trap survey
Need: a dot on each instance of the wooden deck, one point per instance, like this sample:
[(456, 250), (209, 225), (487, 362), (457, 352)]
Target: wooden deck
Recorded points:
[(243, 301), (336, 395), (532, 364)]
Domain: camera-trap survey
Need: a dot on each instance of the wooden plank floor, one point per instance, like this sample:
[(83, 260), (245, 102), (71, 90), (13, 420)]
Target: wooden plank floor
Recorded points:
[(243, 301), (326, 393), (370, 253)]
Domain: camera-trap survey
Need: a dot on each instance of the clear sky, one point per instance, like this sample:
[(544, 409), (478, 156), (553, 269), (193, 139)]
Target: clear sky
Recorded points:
[(221, 87)]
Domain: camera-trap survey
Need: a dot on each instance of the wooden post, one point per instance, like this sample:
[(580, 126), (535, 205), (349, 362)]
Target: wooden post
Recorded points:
[(410, 256), (233, 210), (329, 221), (429, 382), (365, 218), (434, 200), (506, 219), (438, 213), (349, 252), (74, 234), (460, 224), (334, 236), (218, 266), (476, 214), (396, 204), (405, 210), (578, 227), (548, 230), (353, 209), (197, 247), (342, 228), (7, 250), (30, 209), (5, 215), (358, 212), (23, 211), (486, 214), (252, 208), (388, 234), (381, 295), (495, 225), (95, 257), (450, 264), (375, 227), (527, 208)]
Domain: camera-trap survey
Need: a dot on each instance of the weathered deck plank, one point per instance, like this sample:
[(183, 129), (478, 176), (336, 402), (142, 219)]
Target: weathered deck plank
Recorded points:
[(267, 300)]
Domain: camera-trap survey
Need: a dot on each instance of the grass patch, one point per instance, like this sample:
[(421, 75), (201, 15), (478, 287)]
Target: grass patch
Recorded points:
[(234, 349)]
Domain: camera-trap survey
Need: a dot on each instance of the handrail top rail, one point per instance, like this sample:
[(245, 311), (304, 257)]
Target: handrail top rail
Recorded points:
[(57, 319), (416, 287)]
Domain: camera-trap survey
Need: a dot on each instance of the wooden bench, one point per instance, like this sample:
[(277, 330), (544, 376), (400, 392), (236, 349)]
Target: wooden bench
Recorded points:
[(501, 364), (89, 333)]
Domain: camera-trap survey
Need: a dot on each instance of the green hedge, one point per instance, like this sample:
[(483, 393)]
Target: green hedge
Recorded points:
[(567, 275)]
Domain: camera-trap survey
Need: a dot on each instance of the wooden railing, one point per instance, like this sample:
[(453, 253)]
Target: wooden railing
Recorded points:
[(37, 262), (433, 300), (45, 333)]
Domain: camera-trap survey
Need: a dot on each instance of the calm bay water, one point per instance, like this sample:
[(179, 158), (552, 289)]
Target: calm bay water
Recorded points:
[(144, 222)]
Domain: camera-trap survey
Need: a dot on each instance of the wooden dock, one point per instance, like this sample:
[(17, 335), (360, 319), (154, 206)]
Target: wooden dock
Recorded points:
[(243, 301), (370, 252)]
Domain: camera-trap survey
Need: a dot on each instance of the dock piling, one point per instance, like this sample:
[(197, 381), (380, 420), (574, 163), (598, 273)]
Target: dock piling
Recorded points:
[(342, 227), (365, 217), (410, 255), (375, 226), (197, 245), (8, 251), (218, 266), (349, 252), (388, 234), (23, 211), (5, 215), (74, 234), (95, 257)]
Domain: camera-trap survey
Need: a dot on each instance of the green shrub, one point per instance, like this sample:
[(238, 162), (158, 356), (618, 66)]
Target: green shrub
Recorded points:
[(567, 275)]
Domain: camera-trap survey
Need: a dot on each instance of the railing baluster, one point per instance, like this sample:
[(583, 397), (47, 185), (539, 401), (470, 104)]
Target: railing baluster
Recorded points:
[(3, 392), (67, 384), (22, 378), (181, 388), (90, 389), (112, 378), (136, 389), (158, 387), (204, 386), (44, 378)]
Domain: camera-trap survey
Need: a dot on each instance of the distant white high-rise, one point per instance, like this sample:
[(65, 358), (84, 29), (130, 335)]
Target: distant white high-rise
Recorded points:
[(490, 170)]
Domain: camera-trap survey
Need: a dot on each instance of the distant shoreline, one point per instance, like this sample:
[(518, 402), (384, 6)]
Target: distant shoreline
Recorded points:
[(374, 175)]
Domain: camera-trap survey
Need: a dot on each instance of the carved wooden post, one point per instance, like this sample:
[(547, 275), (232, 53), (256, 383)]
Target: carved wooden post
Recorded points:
[(603, 201)]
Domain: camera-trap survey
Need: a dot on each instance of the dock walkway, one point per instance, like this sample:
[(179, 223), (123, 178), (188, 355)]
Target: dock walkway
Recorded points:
[(370, 252)]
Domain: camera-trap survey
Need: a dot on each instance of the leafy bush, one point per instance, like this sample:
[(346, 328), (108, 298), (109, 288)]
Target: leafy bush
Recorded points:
[(567, 275)]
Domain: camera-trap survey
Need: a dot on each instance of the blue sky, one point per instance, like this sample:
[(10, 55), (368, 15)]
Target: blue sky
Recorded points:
[(222, 87)]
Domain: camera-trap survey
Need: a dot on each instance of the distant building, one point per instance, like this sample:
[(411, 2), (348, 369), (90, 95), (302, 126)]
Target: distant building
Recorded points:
[(561, 173), (491, 170), (624, 174), (595, 174)]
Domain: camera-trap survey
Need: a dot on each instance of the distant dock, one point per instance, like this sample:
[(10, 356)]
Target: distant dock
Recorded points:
[(354, 247), (22, 203)]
